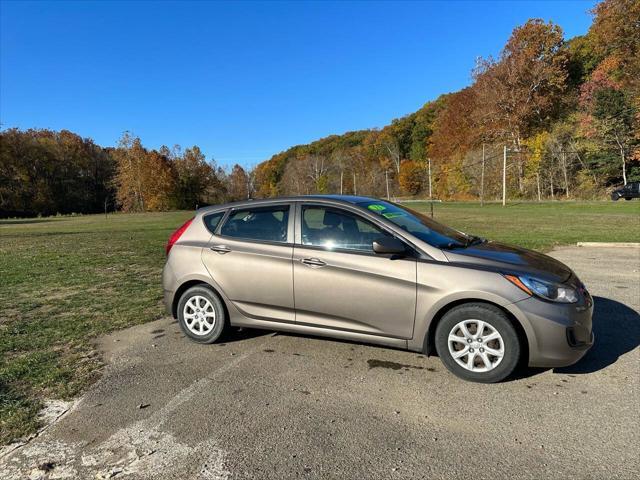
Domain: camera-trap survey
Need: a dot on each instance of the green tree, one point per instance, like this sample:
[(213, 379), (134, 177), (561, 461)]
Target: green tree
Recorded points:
[(615, 117)]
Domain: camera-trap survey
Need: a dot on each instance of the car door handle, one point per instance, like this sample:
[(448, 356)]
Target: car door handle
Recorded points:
[(313, 262), (221, 249)]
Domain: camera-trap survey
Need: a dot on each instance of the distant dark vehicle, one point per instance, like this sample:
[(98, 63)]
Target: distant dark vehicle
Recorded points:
[(629, 191)]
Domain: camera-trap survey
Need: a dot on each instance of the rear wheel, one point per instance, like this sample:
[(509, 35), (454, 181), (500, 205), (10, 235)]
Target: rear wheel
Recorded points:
[(477, 342), (201, 314)]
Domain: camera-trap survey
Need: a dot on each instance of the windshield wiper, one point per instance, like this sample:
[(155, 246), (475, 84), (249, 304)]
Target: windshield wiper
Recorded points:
[(452, 245), (474, 240)]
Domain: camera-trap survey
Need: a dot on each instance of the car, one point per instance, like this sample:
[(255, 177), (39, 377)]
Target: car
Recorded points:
[(628, 191), (368, 270)]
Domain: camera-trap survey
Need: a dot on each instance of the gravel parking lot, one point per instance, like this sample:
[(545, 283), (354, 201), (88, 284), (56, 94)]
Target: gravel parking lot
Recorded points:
[(266, 405)]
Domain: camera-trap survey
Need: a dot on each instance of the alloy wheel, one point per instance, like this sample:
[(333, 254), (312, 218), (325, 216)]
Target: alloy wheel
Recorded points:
[(476, 345), (199, 315)]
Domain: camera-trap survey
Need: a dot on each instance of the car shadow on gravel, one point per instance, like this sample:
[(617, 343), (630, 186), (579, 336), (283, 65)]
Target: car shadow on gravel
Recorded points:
[(240, 334), (617, 331)]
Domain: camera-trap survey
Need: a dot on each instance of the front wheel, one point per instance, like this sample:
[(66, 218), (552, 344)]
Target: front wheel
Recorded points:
[(477, 342), (201, 314), (615, 197)]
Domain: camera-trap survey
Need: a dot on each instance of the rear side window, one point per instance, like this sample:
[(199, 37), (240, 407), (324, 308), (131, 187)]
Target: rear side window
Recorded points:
[(212, 221), (269, 224)]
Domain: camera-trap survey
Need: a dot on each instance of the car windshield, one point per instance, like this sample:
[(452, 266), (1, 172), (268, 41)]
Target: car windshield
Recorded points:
[(419, 225)]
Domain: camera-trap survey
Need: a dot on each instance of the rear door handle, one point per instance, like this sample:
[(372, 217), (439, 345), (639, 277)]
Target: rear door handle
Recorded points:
[(313, 262), (221, 249)]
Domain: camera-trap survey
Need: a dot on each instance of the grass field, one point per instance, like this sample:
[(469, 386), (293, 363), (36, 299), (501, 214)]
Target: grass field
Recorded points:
[(64, 281), (541, 226)]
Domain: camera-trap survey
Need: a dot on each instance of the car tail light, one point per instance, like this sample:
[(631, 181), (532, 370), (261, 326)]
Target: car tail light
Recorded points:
[(177, 234)]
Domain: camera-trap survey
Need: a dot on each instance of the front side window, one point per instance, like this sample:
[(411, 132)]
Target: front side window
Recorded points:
[(269, 224), (338, 229)]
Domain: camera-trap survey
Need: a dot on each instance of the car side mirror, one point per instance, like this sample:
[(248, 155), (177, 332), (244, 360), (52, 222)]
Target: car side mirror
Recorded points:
[(389, 245)]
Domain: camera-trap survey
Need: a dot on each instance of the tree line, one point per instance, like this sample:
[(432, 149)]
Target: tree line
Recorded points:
[(565, 115), (46, 173)]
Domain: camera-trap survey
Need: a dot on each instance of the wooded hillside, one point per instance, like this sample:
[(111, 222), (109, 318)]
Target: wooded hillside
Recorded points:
[(567, 111)]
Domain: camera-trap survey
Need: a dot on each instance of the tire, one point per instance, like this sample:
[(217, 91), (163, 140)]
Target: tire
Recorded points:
[(615, 197), (627, 198), (479, 350), (204, 324)]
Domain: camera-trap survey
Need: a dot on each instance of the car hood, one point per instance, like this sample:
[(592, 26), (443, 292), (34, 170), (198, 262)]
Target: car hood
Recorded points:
[(511, 259)]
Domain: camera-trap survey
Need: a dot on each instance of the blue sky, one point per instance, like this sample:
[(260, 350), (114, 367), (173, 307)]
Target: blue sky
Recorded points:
[(244, 80)]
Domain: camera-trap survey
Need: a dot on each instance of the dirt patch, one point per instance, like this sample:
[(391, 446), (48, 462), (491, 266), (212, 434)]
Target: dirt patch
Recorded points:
[(52, 412)]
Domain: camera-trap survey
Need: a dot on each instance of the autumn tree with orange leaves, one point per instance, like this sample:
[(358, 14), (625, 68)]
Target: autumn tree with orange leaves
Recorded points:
[(238, 184)]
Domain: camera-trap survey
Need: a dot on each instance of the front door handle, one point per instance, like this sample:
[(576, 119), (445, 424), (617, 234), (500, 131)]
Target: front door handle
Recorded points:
[(221, 249), (313, 262)]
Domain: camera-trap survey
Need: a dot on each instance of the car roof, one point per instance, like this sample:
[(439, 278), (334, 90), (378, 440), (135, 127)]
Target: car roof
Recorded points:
[(353, 199)]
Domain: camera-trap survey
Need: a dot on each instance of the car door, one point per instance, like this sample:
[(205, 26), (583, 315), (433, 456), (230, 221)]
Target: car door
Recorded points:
[(340, 283), (250, 258)]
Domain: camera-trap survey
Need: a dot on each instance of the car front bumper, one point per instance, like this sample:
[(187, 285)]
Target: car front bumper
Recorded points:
[(559, 334)]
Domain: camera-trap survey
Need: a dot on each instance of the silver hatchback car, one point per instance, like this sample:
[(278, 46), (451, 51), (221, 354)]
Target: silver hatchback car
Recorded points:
[(368, 270)]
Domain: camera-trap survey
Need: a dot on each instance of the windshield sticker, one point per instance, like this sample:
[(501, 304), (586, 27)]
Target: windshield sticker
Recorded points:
[(393, 215), (376, 207)]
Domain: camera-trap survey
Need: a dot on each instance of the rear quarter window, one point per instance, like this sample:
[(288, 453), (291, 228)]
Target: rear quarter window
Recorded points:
[(212, 221)]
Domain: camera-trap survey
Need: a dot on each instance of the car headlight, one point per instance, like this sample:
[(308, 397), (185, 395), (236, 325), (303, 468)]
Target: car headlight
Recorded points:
[(549, 291)]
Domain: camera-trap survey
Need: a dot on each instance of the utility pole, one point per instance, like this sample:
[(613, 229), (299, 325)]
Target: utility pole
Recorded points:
[(430, 193), (482, 179), (341, 175), (564, 171), (504, 177), (624, 167), (355, 191), (386, 176)]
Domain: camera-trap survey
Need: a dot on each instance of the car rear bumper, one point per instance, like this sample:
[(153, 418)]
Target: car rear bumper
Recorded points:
[(168, 284), (558, 334), (168, 301)]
